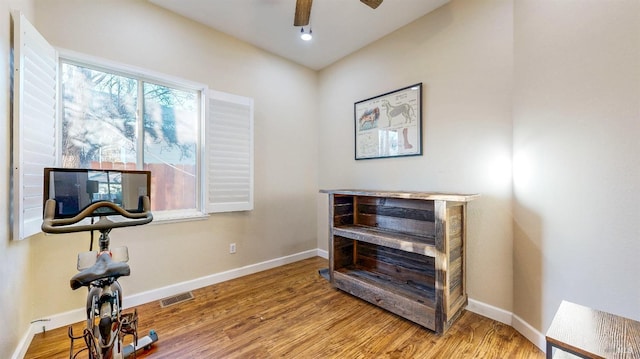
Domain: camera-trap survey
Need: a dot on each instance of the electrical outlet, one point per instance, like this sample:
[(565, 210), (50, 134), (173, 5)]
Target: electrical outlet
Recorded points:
[(232, 248)]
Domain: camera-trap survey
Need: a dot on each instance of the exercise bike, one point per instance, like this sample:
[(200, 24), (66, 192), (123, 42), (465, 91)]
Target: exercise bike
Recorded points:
[(106, 325)]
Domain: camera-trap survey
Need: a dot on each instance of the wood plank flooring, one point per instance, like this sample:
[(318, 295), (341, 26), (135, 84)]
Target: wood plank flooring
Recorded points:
[(292, 312)]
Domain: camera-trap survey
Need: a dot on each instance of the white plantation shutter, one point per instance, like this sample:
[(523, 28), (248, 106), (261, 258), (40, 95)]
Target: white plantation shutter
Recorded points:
[(34, 123), (229, 141)]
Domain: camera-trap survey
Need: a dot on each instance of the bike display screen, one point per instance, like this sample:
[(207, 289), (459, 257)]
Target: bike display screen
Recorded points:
[(74, 189)]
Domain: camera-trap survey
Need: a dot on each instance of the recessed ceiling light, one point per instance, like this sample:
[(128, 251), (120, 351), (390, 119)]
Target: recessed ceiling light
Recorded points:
[(306, 36)]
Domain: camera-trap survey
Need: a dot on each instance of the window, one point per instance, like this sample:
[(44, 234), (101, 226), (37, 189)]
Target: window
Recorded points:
[(119, 121), (116, 116)]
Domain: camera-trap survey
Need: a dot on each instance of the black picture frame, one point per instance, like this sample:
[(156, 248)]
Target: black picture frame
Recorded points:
[(389, 125)]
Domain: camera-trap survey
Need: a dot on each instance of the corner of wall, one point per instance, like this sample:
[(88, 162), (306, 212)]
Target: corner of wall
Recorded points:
[(508, 318)]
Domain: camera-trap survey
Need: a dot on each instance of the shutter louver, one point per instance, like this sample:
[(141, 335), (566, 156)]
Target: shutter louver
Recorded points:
[(229, 152), (34, 123)]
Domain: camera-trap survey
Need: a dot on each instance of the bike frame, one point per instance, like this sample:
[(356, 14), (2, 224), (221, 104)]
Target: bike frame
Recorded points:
[(106, 324), (104, 314)]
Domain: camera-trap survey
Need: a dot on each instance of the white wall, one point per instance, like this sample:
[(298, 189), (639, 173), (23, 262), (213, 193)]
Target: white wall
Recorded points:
[(577, 157), (284, 220), (463, 55)]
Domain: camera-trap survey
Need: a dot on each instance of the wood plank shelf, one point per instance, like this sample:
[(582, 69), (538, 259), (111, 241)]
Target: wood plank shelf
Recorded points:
[(393, 298), (407, 242), (410, 290), (402, 251)]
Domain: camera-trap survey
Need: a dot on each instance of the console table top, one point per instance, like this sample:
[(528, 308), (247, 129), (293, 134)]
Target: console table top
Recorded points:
[(458, 197), (594, 334)]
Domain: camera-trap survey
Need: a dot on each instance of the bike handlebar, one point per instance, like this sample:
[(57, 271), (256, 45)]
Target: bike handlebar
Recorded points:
[(65, 225)]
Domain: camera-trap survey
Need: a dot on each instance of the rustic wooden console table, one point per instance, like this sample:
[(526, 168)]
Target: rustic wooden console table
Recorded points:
[(402, 251)]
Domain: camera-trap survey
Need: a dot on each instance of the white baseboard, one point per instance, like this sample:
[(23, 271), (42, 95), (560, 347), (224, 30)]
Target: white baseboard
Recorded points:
[(490, 311), (160, 293), (77, 315), (23, 345), (322, 253), (508, 318), (529, 332)]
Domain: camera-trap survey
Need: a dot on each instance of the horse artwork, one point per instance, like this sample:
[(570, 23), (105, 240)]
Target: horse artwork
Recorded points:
[(404, 109), (369, 119), (389, 125)]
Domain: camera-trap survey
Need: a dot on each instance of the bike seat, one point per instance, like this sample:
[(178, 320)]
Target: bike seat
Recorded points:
[(103, 268)]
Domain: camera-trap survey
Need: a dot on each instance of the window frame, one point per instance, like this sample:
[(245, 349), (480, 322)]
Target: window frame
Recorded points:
[(27, 171), (144, 75)]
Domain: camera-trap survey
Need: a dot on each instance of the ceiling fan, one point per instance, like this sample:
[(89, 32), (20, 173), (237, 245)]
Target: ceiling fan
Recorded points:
[(303, 10)]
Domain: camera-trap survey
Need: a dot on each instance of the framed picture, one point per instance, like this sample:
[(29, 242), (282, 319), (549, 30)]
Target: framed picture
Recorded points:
[(389, 125)]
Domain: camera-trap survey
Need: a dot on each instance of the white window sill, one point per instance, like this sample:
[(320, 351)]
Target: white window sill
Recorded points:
[(164, 217)]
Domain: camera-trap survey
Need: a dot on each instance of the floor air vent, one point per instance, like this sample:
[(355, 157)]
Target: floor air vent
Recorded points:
[(178, 298)]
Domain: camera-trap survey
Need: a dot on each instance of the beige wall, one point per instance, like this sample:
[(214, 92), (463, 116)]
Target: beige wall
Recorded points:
[(284, 220), (519, 82), (576, 157), (15, 295), (553, 85), (463, 55)]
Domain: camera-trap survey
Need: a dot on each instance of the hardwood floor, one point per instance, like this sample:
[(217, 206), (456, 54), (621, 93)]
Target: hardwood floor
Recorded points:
[(292, 312)]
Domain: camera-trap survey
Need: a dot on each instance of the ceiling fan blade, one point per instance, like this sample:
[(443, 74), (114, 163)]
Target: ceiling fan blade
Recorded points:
[(372, 3), (303, 12)]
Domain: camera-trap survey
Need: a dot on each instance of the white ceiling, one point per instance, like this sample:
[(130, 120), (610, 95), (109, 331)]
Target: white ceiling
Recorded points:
[(340, 27)]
